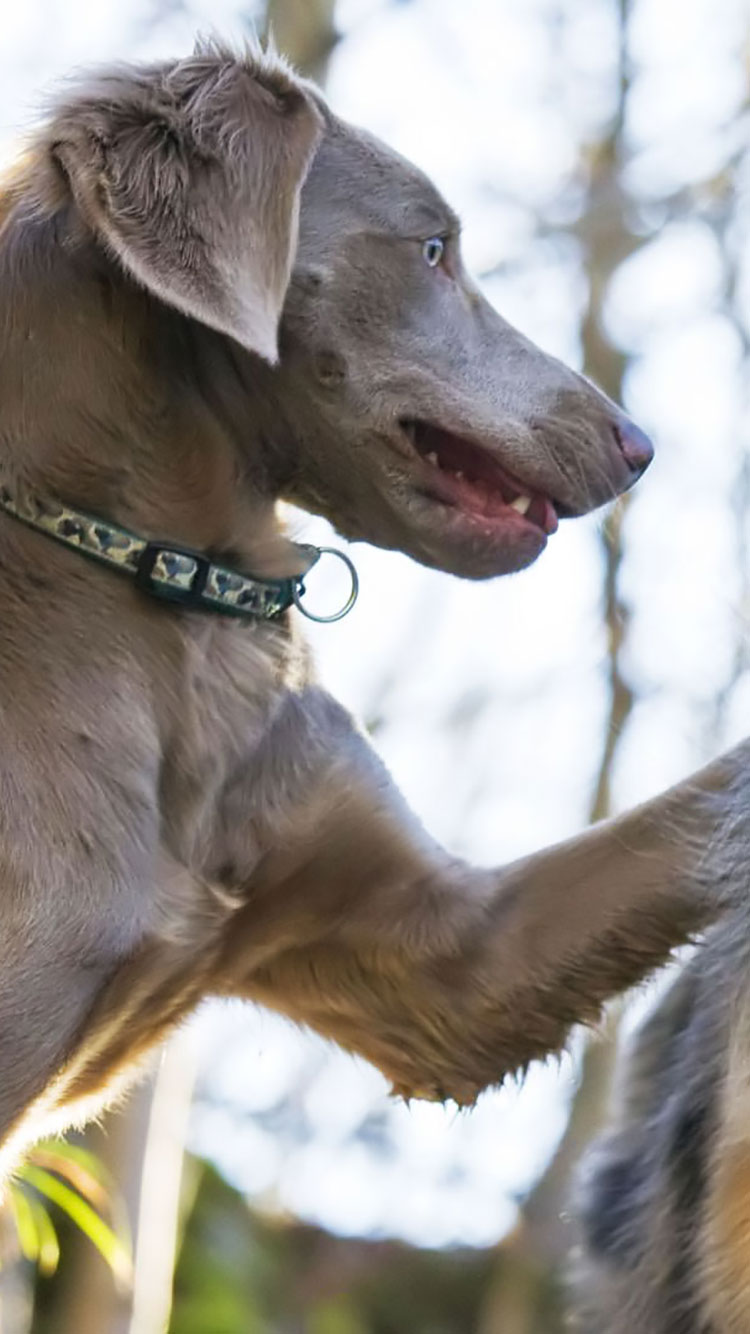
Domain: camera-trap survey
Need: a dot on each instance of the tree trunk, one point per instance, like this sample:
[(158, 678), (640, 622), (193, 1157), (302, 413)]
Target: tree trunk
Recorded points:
[(304, 31)]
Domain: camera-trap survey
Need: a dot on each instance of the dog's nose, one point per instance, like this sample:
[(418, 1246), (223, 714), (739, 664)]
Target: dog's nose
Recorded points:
[(635, 446)]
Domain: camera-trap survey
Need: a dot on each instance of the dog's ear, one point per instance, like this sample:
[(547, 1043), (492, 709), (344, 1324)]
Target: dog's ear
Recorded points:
[(191, 174)]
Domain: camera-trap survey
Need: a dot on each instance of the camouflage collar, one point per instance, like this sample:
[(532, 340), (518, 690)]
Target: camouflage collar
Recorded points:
[(171, 572)]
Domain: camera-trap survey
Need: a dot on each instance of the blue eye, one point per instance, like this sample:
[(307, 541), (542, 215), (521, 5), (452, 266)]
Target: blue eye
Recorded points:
[(433, 251)]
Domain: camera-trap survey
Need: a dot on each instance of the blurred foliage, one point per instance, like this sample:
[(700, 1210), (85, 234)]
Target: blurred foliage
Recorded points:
[(68, 1178), (63, 1194), (240, 1272)]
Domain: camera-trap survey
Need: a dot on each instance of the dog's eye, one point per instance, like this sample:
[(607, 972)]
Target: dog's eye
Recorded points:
[(433, 251)]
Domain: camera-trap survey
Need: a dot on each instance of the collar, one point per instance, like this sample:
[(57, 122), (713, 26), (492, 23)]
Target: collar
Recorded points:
[(170, 572)]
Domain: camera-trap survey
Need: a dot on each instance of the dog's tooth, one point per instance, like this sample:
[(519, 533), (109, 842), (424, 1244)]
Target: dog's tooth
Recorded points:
[(458, 476), (432, 458), (521, 504)]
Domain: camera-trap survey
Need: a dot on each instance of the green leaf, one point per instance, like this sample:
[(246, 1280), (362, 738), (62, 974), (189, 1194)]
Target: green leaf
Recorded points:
[(90, 1177), (49, 1247), (99, 1233), (70, 1155), (23, 1218)]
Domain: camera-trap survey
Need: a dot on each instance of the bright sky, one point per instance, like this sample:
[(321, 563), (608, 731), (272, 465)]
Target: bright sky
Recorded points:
[(493, 98)]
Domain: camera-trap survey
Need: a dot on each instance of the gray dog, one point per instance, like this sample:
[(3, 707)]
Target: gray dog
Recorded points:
[(215, 295)]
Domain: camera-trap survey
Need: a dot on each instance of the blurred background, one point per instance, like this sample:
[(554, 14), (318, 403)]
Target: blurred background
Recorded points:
[(598, 152)]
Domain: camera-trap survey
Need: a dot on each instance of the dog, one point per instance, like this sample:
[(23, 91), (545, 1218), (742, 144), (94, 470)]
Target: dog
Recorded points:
[(217, 295), (665, 1206)]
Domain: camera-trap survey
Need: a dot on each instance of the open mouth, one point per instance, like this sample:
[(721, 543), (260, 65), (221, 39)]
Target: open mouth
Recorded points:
[(461, 474)]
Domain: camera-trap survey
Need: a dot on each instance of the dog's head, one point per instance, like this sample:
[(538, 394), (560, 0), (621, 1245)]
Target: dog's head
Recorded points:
[(404, 408), (429, 423)]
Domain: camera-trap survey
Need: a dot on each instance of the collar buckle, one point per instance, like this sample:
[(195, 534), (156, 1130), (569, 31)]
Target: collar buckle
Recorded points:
[(172, 573)]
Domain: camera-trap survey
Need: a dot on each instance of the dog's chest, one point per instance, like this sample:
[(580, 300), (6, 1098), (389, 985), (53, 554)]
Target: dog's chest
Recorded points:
[(229, 690)]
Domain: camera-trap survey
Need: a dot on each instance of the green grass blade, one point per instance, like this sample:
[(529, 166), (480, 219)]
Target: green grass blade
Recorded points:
[(49, 1247), (75, 1154), (99, 1233), (77, 1176), (87, 1174), (23, 1219)]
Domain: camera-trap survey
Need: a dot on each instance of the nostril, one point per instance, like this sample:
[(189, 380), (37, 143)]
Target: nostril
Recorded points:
[(634, 444)]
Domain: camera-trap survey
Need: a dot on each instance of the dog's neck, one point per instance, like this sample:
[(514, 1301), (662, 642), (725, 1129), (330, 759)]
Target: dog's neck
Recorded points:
[(118, 405)]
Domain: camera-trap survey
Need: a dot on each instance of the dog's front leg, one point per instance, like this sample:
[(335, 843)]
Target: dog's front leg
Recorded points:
[(446, 977)]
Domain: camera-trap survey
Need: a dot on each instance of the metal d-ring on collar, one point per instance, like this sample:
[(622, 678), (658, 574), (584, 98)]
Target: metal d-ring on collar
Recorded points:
[(299, 589), (168, 571)]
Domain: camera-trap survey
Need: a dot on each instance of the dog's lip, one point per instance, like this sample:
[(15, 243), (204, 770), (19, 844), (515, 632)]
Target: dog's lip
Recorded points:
[(458, 472), (472, 544)]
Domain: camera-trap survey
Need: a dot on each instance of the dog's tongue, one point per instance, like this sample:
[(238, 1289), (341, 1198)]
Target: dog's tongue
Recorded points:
[(542, 512), (477, 497)]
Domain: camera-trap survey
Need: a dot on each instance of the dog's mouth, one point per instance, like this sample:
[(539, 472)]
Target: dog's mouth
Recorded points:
[(463, 476)]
